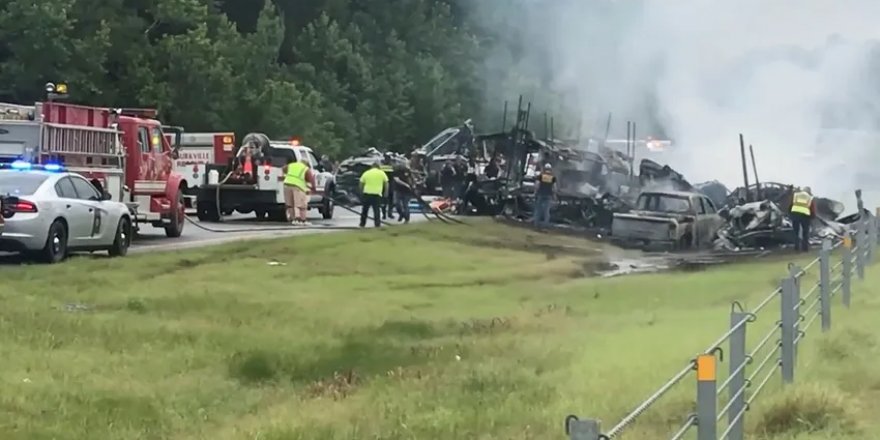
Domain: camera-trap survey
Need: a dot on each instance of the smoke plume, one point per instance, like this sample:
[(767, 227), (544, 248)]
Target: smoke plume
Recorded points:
[(800, 79)]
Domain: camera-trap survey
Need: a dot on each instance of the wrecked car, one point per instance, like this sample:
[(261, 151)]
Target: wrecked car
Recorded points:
[(349, 172), (671, 219)]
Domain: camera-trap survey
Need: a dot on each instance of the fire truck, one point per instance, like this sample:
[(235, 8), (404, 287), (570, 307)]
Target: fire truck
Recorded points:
[(196, 151), (124, 152)]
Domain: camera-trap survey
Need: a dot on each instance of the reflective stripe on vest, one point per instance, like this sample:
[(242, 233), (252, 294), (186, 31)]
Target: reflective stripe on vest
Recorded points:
[(296, 175), (800, 203)]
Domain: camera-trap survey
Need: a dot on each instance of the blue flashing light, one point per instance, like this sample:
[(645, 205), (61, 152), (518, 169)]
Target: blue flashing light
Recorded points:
[(21, 165), (52, 167)]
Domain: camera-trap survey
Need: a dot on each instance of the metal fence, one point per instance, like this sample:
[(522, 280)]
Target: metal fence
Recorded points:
[(804, 296)]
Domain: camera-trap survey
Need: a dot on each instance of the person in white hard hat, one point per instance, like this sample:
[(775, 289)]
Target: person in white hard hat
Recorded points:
[(545, 192)]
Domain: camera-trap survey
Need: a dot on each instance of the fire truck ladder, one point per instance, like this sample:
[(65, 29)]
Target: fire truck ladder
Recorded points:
[(82, 146)]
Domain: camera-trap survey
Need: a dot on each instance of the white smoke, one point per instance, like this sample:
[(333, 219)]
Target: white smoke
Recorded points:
[(701, 72)]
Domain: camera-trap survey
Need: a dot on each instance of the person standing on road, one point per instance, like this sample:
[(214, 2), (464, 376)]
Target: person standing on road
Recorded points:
[(296, 192), (545, 192), (374, 188), (447, 180), (803, 209), (403, 193)]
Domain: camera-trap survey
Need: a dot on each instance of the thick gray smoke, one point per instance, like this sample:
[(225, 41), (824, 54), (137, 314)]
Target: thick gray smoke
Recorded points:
[(800, 79)]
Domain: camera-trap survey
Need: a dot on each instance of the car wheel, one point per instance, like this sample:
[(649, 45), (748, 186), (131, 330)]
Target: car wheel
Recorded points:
[(123, 239), (327, 209), (55, 249), (178, 217)]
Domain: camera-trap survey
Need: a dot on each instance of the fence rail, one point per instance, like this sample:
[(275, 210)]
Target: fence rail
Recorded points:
[(804, 297)]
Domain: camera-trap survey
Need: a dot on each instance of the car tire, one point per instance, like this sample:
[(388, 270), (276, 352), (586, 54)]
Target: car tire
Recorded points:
[(178, 218), (327, 208), (123, 239), (55, 249)]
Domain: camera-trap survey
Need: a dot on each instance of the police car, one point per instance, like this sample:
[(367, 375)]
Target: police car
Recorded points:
[(48, 212)]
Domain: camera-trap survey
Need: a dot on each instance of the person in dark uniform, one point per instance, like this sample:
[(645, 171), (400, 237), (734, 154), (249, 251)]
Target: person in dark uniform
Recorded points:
[(491, 170), (403, 193), (545, 191), (447, 180)]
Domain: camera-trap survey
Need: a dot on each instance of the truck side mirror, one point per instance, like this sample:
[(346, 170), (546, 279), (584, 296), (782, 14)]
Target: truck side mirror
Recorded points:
[(106, 196)]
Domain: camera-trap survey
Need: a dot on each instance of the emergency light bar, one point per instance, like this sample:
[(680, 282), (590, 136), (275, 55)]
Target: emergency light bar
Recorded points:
[(145, 113), (22, 165)]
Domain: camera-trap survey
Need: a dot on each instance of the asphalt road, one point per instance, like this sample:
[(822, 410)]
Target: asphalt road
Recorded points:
[(239, 226)]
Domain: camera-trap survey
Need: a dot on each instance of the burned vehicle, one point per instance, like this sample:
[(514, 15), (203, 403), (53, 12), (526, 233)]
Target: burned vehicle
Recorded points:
[(349, 173), (670, 219)]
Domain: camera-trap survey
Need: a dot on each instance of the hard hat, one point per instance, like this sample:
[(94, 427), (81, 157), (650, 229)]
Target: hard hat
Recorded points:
[(547, 166), (808, 190)]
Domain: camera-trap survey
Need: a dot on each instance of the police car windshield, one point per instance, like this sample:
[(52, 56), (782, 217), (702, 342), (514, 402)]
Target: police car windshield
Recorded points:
[(20, 183)]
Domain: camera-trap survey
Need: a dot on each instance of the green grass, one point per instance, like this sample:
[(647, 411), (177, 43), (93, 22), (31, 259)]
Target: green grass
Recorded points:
[(421, 332)]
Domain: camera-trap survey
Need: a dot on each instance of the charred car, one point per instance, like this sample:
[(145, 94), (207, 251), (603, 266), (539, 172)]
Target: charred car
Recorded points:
[(669, 219)]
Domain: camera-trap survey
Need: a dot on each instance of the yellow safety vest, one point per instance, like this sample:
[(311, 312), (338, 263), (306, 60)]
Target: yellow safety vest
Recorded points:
[(296, 175), (800, 203)]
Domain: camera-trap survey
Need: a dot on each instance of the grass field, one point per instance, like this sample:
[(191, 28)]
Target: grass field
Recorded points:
[(420, 332)]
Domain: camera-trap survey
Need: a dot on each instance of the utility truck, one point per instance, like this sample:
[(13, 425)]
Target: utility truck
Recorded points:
[(195, 153), (253, 181), (123, 152)]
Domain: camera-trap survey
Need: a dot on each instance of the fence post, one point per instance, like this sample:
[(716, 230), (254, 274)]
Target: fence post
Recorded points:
[(825, 284), (737, 373), (794, 271), (846, 277), (860, 250), (788, 332), (707, 401), (582, 429)]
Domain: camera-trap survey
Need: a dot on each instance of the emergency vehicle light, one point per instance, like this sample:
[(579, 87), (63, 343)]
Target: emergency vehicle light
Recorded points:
[(145, 113), (23, 165)]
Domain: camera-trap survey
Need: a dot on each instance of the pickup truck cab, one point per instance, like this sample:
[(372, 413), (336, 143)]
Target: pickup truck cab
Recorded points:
[(282, 153), (670, 219)]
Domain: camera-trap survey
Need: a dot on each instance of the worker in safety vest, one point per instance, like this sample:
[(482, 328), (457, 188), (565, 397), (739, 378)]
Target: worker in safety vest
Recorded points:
[(374, 188), (298, 178), (802, 212)]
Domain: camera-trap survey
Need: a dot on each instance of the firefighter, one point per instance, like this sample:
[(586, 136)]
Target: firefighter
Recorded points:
[(374, 187), (545, 191), (296, 193), (803, 208)]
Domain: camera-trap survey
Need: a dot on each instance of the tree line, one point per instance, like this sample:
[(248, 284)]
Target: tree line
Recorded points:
[(339, 74)]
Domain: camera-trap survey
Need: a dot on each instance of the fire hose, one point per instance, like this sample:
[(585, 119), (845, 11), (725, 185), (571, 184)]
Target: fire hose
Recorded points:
[(440, 216)]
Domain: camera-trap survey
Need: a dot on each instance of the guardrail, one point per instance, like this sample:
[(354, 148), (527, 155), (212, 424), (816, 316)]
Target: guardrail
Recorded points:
[(801, 303)]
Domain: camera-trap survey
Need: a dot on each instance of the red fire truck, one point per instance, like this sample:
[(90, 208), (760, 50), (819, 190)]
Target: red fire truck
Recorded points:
[(136, 171)]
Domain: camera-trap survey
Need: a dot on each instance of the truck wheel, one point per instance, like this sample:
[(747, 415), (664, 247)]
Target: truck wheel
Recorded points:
[(327, 209), (178, 217), (123, 239), (207, 212), (55, 249), (278, 215)]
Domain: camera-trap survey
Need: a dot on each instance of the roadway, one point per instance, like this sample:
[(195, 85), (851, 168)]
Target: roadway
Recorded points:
[(239, 227)]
